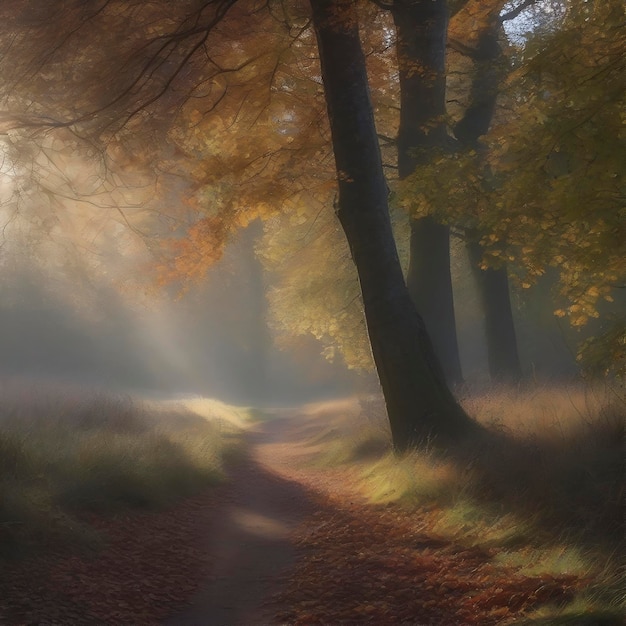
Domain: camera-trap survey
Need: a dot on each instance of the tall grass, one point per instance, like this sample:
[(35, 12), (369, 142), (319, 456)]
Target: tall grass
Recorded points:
[(66, 452), (543, 486)]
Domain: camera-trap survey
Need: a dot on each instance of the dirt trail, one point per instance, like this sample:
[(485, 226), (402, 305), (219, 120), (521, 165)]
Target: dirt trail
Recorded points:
[(280, 543), (299, 546), (250, 540)]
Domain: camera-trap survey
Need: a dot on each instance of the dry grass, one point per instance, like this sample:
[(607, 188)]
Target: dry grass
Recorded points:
[(543, 486), (65, 452)]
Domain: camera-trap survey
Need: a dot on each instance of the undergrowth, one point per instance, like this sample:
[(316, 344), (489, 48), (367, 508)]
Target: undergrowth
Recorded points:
[(67, 454), (543, 487)]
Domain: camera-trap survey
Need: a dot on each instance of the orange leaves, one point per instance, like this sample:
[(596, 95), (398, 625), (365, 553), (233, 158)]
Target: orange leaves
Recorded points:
[(193, 254)]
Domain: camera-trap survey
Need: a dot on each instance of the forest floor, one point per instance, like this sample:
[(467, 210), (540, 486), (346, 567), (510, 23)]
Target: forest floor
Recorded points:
[(283, 541)]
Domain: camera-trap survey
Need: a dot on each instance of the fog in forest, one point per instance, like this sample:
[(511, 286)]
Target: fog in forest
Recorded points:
[(82, 304), (312, 312), (211, 340), (182, 240), (214, 338)]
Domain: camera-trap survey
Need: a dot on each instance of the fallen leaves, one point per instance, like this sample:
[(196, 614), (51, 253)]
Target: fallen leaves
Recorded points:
[(150, 566), (363, 565), (357, 564)]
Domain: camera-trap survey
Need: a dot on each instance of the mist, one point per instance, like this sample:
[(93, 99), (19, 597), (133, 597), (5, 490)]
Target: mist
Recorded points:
[(311, 312), (211, 339)]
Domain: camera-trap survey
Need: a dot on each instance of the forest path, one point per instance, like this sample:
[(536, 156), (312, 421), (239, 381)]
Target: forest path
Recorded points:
[(296, 544), (228, 548), (283, 542), (250, 537)]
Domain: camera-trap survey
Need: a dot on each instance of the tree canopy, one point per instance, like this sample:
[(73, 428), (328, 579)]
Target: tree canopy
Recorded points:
[(186, 121)]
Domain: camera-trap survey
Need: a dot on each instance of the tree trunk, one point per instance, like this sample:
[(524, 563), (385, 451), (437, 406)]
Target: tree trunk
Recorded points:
[(421, 31), (419, 403), (493, 289), (429, 280), (493, 284)]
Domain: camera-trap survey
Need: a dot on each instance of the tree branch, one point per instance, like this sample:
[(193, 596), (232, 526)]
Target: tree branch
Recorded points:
[(388, 140), (460, 47), (513, 13)]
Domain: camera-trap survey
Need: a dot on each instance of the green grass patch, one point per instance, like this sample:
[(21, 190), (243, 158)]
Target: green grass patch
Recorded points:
[(67, 454), (543, 488)]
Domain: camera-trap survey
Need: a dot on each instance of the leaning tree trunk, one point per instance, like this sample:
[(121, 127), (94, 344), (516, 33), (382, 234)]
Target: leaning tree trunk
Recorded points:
[(492, 283), (421, 32), (419, 403)]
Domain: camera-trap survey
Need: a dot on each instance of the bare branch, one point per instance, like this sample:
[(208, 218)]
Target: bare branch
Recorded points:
[(168, 45), (460, 47), (511, 15), (388, 140)]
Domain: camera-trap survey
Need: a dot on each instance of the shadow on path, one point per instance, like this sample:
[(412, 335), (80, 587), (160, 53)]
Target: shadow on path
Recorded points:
[(355, 564), (250, 543)]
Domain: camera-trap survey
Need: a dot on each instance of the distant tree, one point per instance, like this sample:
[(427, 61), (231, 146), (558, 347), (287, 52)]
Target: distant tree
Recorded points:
[(545, 191), (421, 30), (492, 282), (422, 37)]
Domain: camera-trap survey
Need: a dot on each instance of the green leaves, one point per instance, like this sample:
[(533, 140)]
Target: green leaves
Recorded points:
[(545, 187)]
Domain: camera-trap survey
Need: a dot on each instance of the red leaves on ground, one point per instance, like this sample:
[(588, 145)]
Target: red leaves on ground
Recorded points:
[(150, 566), (358, 565), (361, 565)]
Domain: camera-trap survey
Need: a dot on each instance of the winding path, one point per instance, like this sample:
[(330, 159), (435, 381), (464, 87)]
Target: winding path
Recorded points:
[(250, 540), (280, 543)]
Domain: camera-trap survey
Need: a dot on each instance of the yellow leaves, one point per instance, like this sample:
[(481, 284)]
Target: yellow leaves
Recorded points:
[(243, 219)]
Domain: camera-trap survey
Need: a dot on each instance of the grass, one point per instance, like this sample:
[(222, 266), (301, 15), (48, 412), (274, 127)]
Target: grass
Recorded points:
[(65, 453), (543, 487)]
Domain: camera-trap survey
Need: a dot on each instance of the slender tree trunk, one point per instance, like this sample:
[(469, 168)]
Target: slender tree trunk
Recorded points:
[(419, 403), (493, 289), (493, 284), (421, 32), (429, 280)]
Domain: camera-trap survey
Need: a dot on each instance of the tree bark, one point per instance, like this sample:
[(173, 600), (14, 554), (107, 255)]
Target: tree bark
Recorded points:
[(493, 289), (492, 283), (421, 32), (419, 403)]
